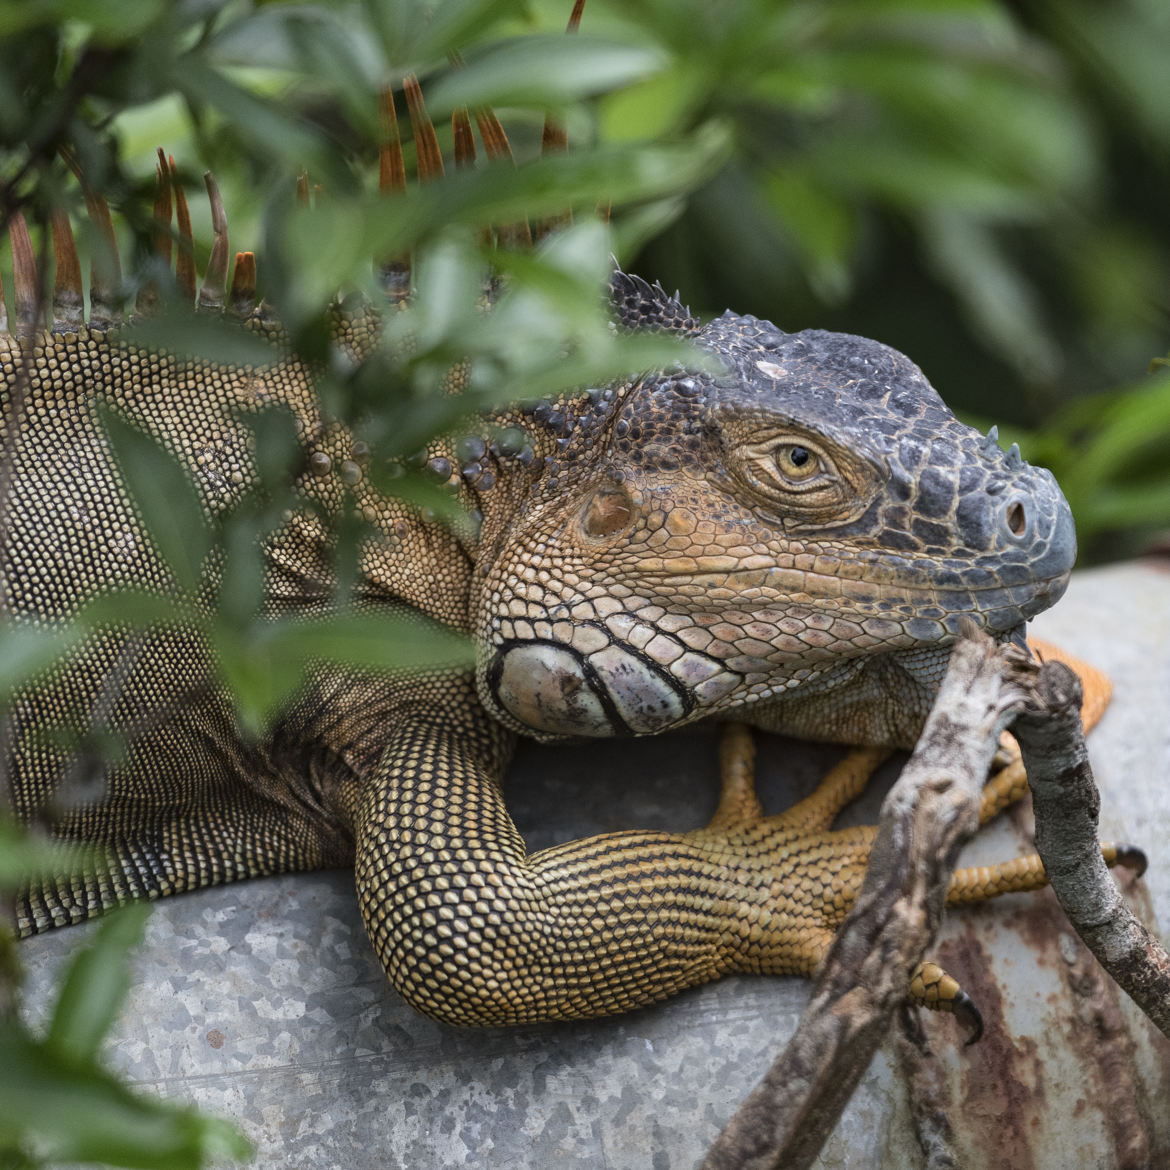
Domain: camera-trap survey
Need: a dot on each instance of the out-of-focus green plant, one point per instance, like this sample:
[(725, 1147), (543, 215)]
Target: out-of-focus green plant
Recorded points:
[(260, 91)]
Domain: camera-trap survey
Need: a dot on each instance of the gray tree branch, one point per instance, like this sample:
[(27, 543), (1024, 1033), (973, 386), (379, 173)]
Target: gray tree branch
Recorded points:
[(1066, 804)]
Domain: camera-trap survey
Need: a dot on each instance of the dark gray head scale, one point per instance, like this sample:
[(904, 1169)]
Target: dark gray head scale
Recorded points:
[(903, 491)]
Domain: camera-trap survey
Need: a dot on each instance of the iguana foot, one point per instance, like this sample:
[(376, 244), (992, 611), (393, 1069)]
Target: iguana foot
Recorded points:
[(931, 987), (473, 929), (819, 870)]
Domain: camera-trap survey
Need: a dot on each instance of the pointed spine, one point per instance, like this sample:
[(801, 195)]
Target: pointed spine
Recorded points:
[(105, 279), (513, 236), (393, 271), (162, 210), (185, 264), (495, 141), (303, 190), (464, 139), (555, 137), (242, 298), (147, 297), (391, 166), (24, 274), (68, 295), (426, 144), (214, 282)]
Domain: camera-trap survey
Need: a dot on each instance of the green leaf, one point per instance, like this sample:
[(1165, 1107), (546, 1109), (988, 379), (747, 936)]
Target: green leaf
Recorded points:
[(543, 69), (64, 1111), (23, 856), (112, 21), (267, 664), (25, 651), (822, 224), (165, 498), (1000, 301), (201, 337), (374, 641), (266, 125), (95, 985), (454, 24)]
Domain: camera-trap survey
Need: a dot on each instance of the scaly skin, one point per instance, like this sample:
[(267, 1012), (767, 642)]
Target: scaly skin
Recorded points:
[(791, 542)]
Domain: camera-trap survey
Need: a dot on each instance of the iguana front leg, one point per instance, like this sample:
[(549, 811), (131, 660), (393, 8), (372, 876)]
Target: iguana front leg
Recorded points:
[(473, 930)]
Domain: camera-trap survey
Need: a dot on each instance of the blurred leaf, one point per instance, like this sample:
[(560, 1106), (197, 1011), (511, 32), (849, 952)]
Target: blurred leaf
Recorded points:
[(95, 985), (902, 172), (65, 1112), (22, 856), (267, 126), (657, 106), (164, 496), (822, 225), (334, 245), (1001, 303), (1126, 45), (111, 22), (543, 69), (25, 651), (202, 337), (457, 23), (270, 665)]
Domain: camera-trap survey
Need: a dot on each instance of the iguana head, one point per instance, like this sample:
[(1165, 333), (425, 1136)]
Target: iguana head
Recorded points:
[(810, 519)]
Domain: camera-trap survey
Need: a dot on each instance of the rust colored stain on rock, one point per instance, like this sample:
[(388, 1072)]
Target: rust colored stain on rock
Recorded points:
[(1100, 1038), (1002, 1079), (1003, 1092), (215, 1038)]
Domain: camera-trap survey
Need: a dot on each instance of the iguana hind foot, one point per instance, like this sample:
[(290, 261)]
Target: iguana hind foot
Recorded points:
[(824, 868)]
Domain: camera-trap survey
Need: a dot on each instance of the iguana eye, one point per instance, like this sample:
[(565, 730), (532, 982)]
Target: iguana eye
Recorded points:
[(796, 462), (793, 464)]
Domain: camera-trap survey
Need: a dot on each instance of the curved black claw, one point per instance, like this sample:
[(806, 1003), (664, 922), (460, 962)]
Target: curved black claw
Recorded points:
[(965, 1011), (1132, 858)]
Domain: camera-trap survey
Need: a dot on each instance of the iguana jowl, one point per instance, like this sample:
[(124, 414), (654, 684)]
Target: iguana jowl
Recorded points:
[(792, 541)]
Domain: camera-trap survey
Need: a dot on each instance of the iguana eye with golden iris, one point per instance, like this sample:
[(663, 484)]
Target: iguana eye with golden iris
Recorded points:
[(796, 462), (791, 464)]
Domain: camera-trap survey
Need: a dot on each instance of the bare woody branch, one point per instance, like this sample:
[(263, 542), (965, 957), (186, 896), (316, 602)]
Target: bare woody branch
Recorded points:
[(928, 815), (1066, 803)]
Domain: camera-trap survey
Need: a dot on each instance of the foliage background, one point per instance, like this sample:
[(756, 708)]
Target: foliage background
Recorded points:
[(979, 183)]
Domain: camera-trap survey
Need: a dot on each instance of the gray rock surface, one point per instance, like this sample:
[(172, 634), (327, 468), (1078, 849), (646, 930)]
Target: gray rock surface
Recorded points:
[(263, 1002)]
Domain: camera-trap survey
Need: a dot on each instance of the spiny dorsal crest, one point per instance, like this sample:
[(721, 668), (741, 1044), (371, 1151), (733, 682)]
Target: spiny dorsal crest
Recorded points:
[(648, 307), (215, 295)]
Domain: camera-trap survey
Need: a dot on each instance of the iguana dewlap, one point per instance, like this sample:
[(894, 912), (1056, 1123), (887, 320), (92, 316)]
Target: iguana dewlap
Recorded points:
[(791, 541)]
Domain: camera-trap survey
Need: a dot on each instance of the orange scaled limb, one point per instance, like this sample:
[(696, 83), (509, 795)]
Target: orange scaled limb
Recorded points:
[(817, 870)]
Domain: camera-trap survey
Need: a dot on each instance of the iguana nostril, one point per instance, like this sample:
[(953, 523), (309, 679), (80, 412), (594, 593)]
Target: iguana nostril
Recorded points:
[(1017, 520)]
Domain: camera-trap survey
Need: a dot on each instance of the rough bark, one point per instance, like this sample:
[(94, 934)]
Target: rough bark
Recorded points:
[(1066, 803)]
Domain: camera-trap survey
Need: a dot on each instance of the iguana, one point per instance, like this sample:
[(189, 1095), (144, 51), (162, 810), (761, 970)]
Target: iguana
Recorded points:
[(790, 541)]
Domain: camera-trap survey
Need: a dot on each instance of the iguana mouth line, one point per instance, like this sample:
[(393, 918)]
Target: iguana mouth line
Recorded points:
[(1039, 585)]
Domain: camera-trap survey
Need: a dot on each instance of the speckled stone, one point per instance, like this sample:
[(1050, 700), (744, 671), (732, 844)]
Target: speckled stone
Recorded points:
[(263, 1001)]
